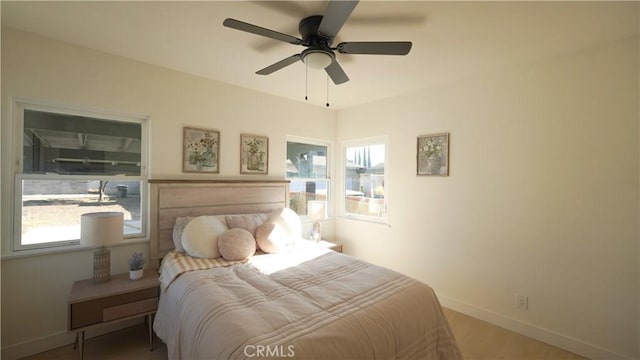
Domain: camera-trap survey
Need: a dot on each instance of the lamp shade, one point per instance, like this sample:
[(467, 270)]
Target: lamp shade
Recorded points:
[(317, 209), (101, 228)]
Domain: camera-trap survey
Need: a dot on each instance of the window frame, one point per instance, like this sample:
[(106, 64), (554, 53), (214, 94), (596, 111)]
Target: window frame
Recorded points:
[(317, 142), (14, 221), (374, 140)]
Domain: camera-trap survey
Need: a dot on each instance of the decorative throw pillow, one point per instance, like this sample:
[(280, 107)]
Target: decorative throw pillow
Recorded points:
[(248, 222), (178, 229), (288, 222), (272, 238), (200, 236), (236, 244)]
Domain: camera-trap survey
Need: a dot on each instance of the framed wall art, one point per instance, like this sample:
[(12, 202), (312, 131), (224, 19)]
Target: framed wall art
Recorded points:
[(433, 154), (254, 154), (201, 150)]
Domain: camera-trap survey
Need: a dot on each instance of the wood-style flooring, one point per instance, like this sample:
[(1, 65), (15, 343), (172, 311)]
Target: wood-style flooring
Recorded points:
[(477, 340)]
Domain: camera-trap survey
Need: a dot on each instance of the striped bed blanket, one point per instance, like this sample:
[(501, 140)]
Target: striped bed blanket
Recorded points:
[(175, 263), (313, 304)]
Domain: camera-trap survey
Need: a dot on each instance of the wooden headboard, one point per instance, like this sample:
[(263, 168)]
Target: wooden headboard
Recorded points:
[(174, 198)]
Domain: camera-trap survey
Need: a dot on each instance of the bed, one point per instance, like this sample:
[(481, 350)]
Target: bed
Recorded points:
[(305, 302)]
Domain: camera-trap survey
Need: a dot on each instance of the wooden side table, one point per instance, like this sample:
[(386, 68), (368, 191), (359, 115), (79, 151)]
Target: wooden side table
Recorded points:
[(93, 304)]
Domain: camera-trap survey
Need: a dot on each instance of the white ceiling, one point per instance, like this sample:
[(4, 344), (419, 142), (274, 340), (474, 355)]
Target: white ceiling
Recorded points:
[(451, 40)]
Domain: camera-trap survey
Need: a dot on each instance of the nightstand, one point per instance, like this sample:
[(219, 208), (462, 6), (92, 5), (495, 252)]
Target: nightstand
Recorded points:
[(93, 304), (333, 246)]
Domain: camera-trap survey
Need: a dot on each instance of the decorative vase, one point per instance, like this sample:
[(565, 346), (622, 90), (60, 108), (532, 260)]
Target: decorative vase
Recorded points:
[(433, 165), (192, 158), (135, 274), (208, 157), (253, 162)]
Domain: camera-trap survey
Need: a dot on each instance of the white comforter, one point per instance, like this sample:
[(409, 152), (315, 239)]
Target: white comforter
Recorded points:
[(313, 304)]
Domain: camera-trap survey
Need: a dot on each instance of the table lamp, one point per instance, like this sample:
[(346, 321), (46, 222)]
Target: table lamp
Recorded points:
[(98, 230), (316, 210)]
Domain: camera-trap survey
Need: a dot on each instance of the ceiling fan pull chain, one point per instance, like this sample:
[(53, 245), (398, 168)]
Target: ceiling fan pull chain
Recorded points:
[(327, 90), (306, 80)]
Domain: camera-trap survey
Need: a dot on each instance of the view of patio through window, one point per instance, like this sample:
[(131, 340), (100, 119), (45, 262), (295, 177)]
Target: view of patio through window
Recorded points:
[(306, 167), (73, 165), (51, 209), (364, 181)]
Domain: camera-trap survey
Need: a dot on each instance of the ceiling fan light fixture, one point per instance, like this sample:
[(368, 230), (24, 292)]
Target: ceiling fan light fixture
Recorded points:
[(318, 33), (317, 59)]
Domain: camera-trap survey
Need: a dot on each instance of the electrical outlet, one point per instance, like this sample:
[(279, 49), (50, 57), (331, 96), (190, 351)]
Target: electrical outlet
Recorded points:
[(522, 302)]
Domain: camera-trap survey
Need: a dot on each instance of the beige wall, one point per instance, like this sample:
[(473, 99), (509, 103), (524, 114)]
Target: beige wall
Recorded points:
[(35, 289), (542, 197)]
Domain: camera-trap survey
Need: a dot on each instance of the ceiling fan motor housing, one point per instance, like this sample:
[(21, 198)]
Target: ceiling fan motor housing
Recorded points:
[(308, 28), (316, 43)]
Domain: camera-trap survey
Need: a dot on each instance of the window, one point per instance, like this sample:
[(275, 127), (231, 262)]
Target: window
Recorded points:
[(364, 179), (307, 169), (76, 162)]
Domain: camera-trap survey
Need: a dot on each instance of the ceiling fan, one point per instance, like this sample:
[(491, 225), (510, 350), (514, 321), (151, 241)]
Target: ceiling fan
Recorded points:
[(318, 33)]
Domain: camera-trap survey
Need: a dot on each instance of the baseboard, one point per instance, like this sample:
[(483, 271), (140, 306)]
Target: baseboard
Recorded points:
[(547, 336), (59, 339)]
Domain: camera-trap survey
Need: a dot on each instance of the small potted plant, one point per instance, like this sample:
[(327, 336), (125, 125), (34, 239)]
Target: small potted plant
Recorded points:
[(136, 262)]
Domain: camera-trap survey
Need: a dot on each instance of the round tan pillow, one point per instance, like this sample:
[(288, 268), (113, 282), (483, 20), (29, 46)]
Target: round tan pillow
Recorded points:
[(236, 244)]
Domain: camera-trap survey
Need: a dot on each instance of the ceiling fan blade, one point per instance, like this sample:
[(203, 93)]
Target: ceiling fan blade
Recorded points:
[(336, 73), (243, 26), (279, 65), (335, 16), (375, 47)]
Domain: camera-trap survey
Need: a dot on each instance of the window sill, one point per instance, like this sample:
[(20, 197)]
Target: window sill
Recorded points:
[(64, 249), (366, 219)]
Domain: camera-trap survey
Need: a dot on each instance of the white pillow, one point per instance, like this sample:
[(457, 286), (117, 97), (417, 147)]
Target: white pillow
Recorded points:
[(200, 236), (272, 238), (236, 244), (178, 228), (248, 222), (288, 224)]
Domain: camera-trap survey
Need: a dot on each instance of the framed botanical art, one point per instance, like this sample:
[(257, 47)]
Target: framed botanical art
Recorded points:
[(433, 154), (201, 150), (254, 154)]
